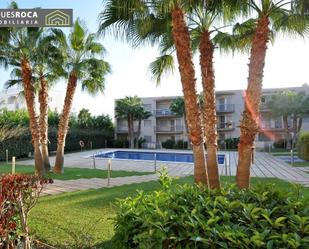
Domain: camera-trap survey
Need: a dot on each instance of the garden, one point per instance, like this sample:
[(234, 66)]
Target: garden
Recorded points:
[(205, 210)]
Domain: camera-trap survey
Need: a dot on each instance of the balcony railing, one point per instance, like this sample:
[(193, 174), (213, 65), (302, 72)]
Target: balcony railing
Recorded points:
[(168, 129), (225, 108), (125, 129), (163, 112), (270, 125), (226, 126)]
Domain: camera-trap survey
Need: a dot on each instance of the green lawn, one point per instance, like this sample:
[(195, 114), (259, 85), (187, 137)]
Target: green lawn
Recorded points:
[(300, 164), (84, 219), (283, 154), (72, 173)]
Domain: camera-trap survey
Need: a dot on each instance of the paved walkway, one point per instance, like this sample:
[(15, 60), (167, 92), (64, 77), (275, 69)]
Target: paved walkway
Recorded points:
[(265, 165)]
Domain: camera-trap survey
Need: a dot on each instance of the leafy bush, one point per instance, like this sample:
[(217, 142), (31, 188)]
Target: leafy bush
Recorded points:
[(120, 143), (169, 144), (192, 216), (280, 144), (18, 195), (303, 146), (181, 144), (21, 145)]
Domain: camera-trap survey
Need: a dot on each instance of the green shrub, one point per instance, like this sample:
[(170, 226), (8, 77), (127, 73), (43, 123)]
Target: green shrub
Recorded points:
[(120, 143), (190, 216), (280, 144), (20, 146), (169, 144), (303, 146)]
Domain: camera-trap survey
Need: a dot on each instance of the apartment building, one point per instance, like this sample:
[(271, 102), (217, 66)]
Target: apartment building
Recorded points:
[(164, 124), (12, 99)]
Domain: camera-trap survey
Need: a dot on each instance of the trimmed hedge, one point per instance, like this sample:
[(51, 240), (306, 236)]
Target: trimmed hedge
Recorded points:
[(21, 146), (303, 146), (171, 144), (192, 216)]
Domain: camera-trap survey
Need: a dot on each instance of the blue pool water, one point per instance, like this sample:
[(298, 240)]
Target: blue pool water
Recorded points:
[(150, 156)]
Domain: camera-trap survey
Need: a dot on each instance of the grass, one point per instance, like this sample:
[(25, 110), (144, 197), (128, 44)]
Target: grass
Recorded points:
[(300, 164), (72, 173), (84, 219)]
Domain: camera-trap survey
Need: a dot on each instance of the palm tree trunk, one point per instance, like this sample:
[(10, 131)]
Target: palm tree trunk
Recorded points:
[(209, 113), (250, 115), (132, 133), (43, 121), (34, 126), (287, 132), (186, 69), (139, 128), (64, 123)]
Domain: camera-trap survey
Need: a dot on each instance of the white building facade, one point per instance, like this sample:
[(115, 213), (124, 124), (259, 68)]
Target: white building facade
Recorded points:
[(164, 124), (12, 100)]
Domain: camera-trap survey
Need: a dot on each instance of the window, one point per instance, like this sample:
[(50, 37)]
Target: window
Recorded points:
[(148, 139), (147, 123), (147, 107)]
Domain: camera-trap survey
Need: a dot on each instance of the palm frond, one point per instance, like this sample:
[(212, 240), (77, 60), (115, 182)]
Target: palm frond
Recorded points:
[(162, 65)]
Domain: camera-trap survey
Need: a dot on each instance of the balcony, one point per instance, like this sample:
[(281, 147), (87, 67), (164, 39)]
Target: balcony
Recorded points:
[(169, 129), (124, 129), (226, 126), (268, 125), (164, 113), (225, 108)]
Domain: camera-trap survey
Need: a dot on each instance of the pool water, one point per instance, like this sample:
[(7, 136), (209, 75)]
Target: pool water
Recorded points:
[(151, 156)]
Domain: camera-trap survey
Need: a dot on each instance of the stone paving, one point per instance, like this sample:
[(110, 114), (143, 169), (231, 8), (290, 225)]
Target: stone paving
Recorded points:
[(265, 165)]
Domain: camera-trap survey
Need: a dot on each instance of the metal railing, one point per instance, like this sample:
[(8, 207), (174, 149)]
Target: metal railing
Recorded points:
[(226, 126), (177, 128), (225, 108), (164, 112)]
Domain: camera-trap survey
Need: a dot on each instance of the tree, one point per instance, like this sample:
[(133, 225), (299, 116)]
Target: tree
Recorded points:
[(18, 52), (178, 107), (82, 62), (45, 71), (131, 21), (140, 115), (84, 118), (288, 104), (128, 108), (272, 16)]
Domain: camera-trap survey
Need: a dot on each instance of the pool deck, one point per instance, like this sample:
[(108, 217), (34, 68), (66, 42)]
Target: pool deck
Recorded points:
[(265, 165)]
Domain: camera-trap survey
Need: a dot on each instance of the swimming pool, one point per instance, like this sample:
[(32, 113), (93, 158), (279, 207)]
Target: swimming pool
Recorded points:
[(151, 156)]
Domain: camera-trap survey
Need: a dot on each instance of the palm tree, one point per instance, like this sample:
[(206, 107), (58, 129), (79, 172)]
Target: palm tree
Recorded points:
[(45, 70), (142, 21), (140, 115), (128, 108), (288, 104), (272, 16), (19, 52), (83, 62)]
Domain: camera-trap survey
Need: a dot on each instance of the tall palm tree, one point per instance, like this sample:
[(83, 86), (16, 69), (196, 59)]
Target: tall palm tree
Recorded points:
[(83, 61), (19, 51), (133, 21), (45, 70), (128, 108), (272, 16), (140, 115)]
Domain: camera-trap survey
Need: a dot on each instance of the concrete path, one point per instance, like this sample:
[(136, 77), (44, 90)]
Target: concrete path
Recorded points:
[(59, 186), (265, 165)]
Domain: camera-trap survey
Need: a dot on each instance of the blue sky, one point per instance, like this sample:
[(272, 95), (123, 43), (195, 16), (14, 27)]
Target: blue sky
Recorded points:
[(286, 63)]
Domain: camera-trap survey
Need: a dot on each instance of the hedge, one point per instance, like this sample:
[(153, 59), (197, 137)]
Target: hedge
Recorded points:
[(21, 146), (190, 216), (303, 146)]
